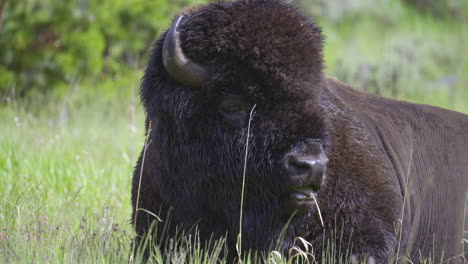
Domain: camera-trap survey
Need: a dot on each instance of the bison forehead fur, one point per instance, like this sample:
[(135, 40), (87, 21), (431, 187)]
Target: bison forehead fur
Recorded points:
[(270, 37), (369, 161)]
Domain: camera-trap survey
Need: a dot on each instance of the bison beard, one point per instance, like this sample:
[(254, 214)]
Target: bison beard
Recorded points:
[(365, 158)]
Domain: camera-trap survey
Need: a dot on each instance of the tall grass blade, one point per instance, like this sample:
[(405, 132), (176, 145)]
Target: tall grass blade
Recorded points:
[(239, 236)]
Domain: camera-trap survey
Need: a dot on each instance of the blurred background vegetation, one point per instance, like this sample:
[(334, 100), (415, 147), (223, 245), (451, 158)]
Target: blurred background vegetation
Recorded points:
[(48, 44), (413, 50), (71, 124)]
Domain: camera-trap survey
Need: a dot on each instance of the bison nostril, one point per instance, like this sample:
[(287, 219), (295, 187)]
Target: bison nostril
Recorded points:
[(306, 172), (297, 168)]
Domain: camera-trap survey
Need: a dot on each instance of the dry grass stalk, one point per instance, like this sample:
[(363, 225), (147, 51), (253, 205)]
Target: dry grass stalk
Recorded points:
[(147, 143), (239, 236)]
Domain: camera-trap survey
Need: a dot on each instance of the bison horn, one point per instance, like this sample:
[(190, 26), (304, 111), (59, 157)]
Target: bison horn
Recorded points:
[(177, 64)]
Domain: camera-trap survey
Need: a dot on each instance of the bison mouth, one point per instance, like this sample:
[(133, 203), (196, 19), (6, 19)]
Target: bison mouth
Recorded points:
[(303, 195), (302, 200)]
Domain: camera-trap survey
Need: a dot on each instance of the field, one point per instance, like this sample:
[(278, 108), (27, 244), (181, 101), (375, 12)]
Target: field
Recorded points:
[(66, 158), (65, 172)]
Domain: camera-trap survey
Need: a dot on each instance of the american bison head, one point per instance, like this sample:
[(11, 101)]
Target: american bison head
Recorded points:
[(203, 80)]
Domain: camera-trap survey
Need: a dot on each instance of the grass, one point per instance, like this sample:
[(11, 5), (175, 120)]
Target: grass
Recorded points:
[(241, 212), (65, 170), (66, 162)]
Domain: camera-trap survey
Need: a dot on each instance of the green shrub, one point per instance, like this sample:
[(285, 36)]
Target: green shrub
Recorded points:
[(46, 44)]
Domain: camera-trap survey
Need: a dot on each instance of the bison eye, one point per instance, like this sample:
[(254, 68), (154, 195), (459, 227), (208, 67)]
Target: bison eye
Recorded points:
[(235, 111)]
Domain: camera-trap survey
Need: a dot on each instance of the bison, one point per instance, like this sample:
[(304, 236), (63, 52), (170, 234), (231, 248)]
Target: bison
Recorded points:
[(390, 178)]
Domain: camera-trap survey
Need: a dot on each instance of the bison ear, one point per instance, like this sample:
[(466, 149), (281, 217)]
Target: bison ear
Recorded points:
[(177, 64)]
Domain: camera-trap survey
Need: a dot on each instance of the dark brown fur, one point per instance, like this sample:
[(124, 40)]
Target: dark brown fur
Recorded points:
[(268, 53)]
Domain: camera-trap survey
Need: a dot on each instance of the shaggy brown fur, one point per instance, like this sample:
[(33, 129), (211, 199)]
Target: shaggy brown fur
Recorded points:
[(386, 158)]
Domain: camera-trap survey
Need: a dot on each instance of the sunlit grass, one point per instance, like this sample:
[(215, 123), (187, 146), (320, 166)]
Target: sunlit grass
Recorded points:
[(65, 170)]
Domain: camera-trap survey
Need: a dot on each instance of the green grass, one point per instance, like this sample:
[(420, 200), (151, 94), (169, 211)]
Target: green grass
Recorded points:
[(66, 163), (65, 170)]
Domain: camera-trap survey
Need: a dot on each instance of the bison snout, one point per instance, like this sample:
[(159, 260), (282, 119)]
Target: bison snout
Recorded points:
[(306, 171), (305, 166)]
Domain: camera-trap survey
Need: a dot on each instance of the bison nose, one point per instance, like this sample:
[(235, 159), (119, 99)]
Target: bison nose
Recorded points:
[(306, 171)]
